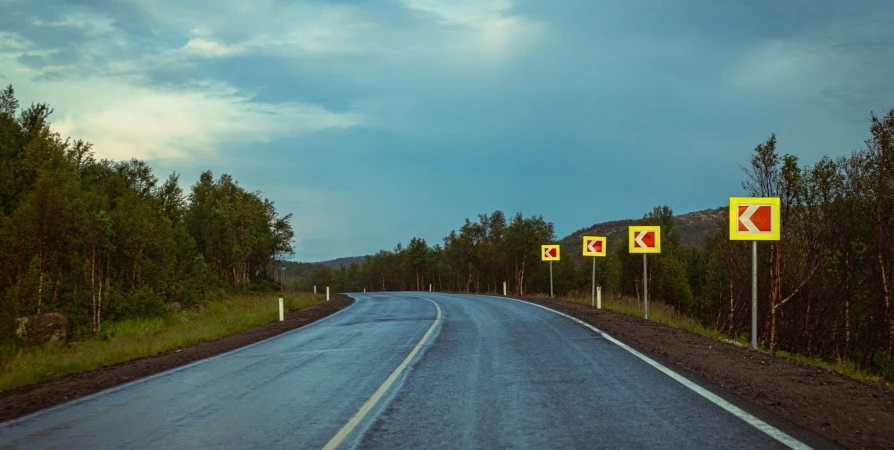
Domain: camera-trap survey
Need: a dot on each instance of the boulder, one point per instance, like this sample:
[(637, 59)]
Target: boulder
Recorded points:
[(49, 327), (175, 306)]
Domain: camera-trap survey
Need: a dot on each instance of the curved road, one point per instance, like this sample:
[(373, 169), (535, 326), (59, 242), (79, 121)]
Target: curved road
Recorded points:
[(411, 370)]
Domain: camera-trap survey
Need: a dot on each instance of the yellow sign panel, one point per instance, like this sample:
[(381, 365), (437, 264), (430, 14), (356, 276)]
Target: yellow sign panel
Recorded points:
[(754, 219), (645, 239), (594, 245), (549, 252)]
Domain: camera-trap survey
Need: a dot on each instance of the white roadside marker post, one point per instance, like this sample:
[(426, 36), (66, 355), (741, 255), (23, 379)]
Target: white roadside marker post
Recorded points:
[(327, 293), (598, 297), (504, 289), (280, 309)]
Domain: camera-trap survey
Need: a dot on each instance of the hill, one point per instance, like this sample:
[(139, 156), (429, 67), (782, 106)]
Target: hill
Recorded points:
[(337, 262), (693, 228)]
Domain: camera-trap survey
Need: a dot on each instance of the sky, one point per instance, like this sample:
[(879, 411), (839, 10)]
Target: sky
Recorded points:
[(374, 121)]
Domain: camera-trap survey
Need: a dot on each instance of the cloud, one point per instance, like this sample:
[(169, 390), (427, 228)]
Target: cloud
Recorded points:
[(125, 119), (209, 48), (101, 93)]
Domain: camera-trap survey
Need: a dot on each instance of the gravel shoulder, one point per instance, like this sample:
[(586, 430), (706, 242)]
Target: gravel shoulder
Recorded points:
[(843, 410)]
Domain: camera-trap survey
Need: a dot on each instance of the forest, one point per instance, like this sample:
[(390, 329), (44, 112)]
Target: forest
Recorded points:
[(101, 240), (825, 289)]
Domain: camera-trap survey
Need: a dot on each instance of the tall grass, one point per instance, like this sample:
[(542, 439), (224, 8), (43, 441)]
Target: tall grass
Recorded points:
[(135, 338)]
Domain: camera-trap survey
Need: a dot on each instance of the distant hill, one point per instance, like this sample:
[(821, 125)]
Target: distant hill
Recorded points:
[(693, 228), (347, 261)]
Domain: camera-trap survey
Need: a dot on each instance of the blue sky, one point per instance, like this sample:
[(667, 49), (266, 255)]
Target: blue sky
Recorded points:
[(376, 121)]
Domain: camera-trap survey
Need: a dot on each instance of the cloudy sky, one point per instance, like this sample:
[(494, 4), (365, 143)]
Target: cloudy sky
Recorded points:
[(374, 121)]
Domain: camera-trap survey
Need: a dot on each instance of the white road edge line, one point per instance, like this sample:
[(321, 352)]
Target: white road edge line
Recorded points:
[(166, 372), (770, 430), (365, 409)]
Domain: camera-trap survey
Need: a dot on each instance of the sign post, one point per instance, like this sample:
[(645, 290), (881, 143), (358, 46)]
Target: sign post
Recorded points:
[(550, 253), (594, 246), (645, 240), (754, 219)]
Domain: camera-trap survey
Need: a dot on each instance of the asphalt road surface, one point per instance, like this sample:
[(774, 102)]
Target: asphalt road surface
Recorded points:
[(412, 370)]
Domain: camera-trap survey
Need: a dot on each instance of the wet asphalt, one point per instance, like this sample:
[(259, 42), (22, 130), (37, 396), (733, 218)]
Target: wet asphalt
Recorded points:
[(493, 374)]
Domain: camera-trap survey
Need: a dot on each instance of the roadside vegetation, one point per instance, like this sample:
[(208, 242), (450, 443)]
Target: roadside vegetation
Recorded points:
[(138, 337), (826, 290), (99, 252)]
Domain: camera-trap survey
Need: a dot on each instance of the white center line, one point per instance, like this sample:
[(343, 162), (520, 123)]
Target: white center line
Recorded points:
[(365, 409)]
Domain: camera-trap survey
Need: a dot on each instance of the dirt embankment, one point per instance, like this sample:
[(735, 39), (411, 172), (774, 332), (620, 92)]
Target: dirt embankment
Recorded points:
[(27, 399), (847, 411)]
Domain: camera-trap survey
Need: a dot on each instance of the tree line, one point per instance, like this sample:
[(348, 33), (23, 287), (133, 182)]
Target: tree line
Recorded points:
[(103, 240), (825, 289)]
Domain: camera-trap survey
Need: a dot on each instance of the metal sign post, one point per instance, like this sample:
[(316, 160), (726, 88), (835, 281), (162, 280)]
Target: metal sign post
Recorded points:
[(594, 246), (754, 219), (550, 253), (593, 294), (754, 294), (645, 286), (550, 279), (645, 240)]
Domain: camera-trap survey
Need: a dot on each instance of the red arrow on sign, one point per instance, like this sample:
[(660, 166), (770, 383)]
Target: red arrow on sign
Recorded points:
[(644, 239), (594, 246), (549, 252), (755, 218)]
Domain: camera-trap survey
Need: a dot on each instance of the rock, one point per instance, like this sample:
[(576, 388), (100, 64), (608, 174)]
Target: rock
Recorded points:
[(71, 346), (22, 327), (175, 306), (49, 327), (199, 309)]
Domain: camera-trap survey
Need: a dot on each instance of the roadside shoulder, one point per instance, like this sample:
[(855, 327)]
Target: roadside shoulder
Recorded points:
[(841, 409)]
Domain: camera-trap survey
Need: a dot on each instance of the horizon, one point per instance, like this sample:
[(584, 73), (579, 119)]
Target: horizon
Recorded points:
[(377, 122)]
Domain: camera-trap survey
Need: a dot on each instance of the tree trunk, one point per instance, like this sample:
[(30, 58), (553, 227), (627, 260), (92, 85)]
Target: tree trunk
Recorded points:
[(99, 301), (775, 290), (93, 285)]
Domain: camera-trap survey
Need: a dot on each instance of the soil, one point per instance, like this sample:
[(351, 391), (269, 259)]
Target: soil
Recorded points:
[(23, 400), (841, 409)]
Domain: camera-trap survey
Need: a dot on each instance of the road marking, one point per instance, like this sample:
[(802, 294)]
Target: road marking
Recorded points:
[(365, 409), (168, 372), (770, 430)]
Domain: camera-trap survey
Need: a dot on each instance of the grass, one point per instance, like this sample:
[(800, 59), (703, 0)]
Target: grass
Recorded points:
[(130, 339), (666, 315)]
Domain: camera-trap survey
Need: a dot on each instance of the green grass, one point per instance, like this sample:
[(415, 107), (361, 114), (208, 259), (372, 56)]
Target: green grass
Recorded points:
[(666, 315), (137, 338)]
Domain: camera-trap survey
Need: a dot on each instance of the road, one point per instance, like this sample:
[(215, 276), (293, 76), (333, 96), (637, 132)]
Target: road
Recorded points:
[(410, 370)]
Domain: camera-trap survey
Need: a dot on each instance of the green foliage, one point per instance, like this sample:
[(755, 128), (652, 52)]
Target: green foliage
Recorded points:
[(103, 240)]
